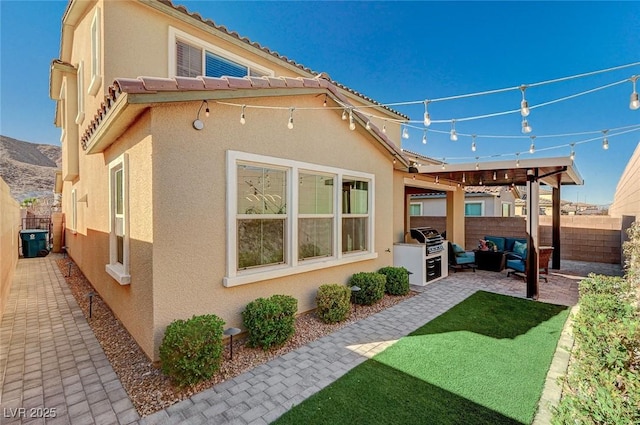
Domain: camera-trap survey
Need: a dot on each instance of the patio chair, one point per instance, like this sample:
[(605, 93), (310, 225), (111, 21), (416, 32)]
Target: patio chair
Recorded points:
[(461, 259), (517, 261)]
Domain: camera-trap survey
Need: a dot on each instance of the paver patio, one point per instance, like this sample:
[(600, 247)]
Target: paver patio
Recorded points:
[(49, 357)]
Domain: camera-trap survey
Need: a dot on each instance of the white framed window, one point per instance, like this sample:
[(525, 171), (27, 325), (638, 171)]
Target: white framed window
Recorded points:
[(74, 211), (286, 217), (506, 209), (118, 266), (80, 88), (96, 54), (63, 109), (191, 57), (474, 208), (415, 209)]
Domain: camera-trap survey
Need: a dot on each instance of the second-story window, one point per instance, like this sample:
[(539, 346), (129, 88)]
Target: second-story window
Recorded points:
[(194, 57)]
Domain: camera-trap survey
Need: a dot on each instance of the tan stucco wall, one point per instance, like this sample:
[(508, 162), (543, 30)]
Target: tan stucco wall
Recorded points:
[(89, 247), (189, 180), (9, 228), (627, 197)]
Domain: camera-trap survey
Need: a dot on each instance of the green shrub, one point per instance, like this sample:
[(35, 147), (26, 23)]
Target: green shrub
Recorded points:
[(397, 280), (191, 350), (371, 287), (270, 321), (333, 303), (603, 384)]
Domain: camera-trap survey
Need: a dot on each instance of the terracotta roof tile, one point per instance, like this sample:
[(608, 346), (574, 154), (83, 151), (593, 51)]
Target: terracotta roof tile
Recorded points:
[(152, 85), (190, 83), (214, 83), (239, 83), (159, 84)]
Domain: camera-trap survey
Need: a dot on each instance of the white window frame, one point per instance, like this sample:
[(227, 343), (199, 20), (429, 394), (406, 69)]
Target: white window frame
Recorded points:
[(74, 211), (333, 216), (292, 265), (63, 110), (175, 35), (475, 202), (119, 271), (413, 204), (80, 89), (502, 204), (96, 54)]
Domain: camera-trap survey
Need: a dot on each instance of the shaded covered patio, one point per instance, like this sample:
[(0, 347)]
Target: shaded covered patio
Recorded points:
[(554, 172)]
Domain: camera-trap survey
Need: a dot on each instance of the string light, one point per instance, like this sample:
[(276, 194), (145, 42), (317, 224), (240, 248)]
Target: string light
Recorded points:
[(506, 176), (532, 148), (206, 111), (405, 133), (526, 128), (384, 128), (424, 137), (473, 143), (572, 155), (325, 101), (524, 105), (437, 179), (518, 159), (427, 117), (452, 135), (242, 117), (634, 102), (605, 141), (480, 181), (495, 176), (344, 115), (290, 124), (443, 163), (352, 124), (477, 163), (368, 125), (464, 177)]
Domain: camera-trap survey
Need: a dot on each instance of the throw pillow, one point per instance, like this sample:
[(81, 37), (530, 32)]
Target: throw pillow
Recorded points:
[(520, 249)]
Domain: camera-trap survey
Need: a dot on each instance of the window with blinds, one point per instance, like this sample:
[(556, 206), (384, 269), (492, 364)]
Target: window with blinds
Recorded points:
[(190, 63)]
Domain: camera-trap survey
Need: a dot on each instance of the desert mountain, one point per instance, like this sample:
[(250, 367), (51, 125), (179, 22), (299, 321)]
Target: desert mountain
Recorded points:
[(29, 168)]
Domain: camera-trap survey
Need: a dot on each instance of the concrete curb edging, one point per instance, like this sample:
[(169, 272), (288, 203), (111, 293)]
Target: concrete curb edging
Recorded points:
[(552, 392)]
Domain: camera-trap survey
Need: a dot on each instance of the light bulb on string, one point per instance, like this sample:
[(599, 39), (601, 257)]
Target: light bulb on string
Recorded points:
[(290, 124), (427, 117), (453, 135), (242, 117), (532, 148), (443, 163), (605, 141), (524, 105), (352, 124), (518, 159), (424, 137), (506, 176), (384, 128), (572, 155), (464, 177), (495, 176), (473, 143), (368, 125), (437, 179), (325, 101), (206, 111), (480, 181), (344, 115), (526, 128), (477, 163), (634, 102), (405, 133)]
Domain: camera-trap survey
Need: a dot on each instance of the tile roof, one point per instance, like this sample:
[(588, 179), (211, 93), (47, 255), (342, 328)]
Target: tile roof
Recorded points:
[(223, 29), (151, 85)]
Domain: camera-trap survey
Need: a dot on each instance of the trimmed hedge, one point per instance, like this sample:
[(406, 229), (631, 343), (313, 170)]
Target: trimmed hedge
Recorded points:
[(333, 303), (191, 350), (397, 280), (270, 322), (371, 287)]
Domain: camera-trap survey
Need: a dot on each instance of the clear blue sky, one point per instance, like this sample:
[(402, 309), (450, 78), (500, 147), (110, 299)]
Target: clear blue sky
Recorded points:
[(396, 52)]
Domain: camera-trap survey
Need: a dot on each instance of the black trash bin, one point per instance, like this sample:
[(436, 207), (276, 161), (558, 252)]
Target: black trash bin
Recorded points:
[(34, 243)]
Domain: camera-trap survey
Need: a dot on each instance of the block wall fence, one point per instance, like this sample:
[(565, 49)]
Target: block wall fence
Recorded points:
[(582, 238)]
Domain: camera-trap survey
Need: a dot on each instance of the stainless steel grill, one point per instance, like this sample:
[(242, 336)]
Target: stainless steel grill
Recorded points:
[(430, 237)]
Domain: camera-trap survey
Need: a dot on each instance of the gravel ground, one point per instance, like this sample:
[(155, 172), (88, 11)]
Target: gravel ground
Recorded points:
[(148, 389)]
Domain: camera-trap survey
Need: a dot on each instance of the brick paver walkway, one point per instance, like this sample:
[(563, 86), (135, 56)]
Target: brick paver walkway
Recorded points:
[(51, 359)]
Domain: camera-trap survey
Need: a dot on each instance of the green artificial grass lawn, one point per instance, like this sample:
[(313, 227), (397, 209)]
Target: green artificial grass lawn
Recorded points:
[(483, 361)]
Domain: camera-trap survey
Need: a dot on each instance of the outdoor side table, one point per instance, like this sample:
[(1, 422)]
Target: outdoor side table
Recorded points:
[(490, 260)]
